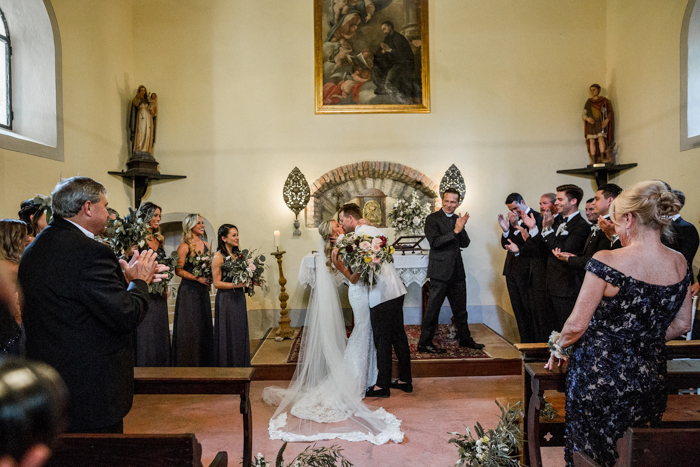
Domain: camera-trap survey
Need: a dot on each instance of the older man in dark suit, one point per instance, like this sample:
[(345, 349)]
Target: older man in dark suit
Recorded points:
[(445, 232), (79, 312), (685, 237)]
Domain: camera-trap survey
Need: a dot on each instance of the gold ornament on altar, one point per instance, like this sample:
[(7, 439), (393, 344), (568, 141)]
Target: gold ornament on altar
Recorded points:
[(296, 194)]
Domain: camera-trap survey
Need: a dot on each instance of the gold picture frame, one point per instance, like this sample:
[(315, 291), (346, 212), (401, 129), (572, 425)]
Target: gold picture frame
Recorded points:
[(362, 65)]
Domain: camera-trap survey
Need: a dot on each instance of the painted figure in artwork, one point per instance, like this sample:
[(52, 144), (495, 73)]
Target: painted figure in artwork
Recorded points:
[(599, 127), (394, 64), (142, 123)]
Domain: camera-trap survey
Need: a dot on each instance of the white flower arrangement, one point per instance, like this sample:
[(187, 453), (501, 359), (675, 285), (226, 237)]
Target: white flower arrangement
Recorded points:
[(309, 457), (408, 217)]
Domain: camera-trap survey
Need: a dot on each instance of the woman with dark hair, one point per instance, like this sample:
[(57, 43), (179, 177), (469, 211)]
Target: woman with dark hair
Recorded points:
[(192, 327), (33, 403), (13, 239), (231, 338), (36, 215), (152, 336)]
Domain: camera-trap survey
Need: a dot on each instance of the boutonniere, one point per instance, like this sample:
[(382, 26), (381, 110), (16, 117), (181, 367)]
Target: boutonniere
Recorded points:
[(595, 229), (561, 230)]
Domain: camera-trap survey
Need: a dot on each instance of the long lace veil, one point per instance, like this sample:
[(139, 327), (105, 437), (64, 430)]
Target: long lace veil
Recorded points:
[(320, 402)]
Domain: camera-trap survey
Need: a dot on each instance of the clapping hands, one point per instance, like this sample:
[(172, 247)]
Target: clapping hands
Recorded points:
[(562, 255), (607, 226), (461, 221), (145, 267), (547, 219)]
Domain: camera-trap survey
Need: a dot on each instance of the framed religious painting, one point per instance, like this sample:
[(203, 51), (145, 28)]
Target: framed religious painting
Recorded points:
[(371, 56)]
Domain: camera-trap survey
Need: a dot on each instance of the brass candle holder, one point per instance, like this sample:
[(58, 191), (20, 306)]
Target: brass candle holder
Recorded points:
[(284, 331)]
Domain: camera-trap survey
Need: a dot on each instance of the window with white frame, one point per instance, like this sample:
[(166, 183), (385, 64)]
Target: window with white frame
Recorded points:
[(5, 74)]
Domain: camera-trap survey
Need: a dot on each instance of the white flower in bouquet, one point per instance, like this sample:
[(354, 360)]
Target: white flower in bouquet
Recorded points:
[(416, 220), (340, 238), (408, 217), (365, 246)]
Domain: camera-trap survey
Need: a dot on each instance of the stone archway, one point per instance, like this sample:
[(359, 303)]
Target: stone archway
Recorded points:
[(344, 183)]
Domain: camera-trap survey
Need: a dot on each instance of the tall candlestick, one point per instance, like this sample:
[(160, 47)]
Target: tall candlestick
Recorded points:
[(277, 238)]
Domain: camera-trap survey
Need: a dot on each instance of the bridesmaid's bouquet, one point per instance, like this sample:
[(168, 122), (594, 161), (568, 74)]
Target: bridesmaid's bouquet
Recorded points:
[(201, 264), (159, 288), (364, 254), (245, 266), (122, 233)]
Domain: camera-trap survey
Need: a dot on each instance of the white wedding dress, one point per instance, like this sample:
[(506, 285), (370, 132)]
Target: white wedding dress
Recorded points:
[(324, 398)]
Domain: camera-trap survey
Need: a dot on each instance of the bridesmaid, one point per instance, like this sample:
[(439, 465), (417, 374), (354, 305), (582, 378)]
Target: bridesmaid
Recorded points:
[(231, 339), (152, 336), (192, 329)]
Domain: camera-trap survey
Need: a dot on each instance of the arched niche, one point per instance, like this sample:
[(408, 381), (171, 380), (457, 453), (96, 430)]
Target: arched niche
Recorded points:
[(171, 229), (345, 183)]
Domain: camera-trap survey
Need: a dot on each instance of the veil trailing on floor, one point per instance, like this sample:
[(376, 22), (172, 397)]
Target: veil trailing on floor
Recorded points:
[(320, 402)]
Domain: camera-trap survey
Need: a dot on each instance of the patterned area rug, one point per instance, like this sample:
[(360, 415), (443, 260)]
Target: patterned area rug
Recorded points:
[(441, 339)]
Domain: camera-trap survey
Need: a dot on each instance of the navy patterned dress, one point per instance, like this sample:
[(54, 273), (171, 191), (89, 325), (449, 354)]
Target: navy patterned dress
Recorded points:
[(617, 373)]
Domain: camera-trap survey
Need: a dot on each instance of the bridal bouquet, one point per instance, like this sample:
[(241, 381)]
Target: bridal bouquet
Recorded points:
[(159, 288), (245, 266), (408, 217), (122, 233), (364, 254), (201, 264)]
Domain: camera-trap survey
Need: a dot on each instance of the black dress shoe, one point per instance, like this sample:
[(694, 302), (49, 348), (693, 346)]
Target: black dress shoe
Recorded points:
[(430, 349), (383, 393), (469, 343), (405, 387)]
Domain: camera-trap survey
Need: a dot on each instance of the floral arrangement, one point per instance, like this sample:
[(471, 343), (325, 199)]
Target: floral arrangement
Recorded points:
[(309, 457), (44, 203), (122, 233), (245, 266), (364, 254), (201, 264), (492, 448), (408, 217), (159, 288)]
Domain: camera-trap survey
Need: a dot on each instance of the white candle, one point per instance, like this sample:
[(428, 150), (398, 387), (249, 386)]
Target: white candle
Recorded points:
[(277, 238)]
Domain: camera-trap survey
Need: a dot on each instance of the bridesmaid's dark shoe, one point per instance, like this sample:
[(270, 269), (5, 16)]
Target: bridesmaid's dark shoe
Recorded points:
[(405, 387), (383, 393), (469, 343)]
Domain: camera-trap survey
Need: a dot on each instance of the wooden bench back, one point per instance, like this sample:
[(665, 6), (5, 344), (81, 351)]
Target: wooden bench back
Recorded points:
[(668, 447), (117, 450), (674, 349)]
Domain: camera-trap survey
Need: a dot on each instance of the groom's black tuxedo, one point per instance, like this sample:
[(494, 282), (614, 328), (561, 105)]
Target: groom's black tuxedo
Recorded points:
[(79, 316), (596, 241)]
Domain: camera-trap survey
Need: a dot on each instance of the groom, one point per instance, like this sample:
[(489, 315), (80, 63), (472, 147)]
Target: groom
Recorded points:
[(386, 314)]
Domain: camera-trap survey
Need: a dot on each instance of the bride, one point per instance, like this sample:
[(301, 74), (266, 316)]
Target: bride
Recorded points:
[(324, 398)]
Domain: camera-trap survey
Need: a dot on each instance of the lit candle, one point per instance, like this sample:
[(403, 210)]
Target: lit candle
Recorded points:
[(277, 238)]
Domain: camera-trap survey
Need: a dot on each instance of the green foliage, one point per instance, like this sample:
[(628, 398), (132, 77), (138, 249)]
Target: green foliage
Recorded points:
[(364, 254), (309, 457), (161, 287), (408, 217), (122, 233), (492, 448), (201, 264), (245, 266)]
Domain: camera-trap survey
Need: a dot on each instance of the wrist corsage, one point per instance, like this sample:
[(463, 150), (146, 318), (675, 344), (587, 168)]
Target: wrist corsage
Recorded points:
[(556, 349)]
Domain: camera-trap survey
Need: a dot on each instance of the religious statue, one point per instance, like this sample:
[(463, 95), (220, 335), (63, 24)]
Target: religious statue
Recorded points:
[(373, 212), (599, 127), (142, 123)]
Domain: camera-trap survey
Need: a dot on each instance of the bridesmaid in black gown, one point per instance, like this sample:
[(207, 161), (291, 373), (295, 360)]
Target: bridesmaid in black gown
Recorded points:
[(231, 339), (632, 301), (152, 336), (192, 329)]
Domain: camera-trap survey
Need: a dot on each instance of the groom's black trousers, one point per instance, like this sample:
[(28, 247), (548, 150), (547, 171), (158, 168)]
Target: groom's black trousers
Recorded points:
[(388, 330)]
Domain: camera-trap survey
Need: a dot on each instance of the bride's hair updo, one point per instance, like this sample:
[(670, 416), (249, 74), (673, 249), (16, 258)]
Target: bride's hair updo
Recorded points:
[(326, 230), (187, 225), (651, 203)]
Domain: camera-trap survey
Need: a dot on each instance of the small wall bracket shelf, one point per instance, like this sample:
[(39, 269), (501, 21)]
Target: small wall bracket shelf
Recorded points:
[(141, 178), (599, 172)]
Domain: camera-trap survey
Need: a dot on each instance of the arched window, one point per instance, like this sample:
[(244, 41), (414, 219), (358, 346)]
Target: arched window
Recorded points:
[(690, 77), (5, 75)]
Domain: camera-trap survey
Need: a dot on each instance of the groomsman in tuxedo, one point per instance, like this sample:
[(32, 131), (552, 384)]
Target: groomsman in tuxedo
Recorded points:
[(517, 267), (590, 211), (597, 240), (685, 236), (569, 236), (385, 313), (79, 312), (445, 232)]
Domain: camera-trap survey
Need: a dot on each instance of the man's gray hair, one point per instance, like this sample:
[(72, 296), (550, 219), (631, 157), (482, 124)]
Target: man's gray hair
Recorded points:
[(70, 194)]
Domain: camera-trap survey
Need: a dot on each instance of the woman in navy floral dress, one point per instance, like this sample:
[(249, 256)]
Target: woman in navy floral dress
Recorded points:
[(632, 301)]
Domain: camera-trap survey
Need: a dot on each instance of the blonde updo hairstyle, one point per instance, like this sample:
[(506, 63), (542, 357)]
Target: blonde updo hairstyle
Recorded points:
[(187, 237), (651, 203), (326, 230)]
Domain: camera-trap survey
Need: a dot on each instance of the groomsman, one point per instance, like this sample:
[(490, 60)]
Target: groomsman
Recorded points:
[(563, 282), (597, 240), (446, 235), (517, 267), (685, 236)]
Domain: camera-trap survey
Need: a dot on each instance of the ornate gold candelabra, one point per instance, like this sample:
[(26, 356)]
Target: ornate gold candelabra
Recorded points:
[(284, 331)]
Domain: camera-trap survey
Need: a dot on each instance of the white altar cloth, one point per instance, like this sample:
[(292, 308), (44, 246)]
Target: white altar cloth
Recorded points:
[(411, 268)]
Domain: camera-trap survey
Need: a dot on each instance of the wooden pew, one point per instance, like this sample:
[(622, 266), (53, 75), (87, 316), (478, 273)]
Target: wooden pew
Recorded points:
[(536, 380), (642, 447), (111, 450), (202, 381)]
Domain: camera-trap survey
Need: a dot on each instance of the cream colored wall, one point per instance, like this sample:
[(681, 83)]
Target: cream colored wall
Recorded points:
[(235, 86), (644, 78)]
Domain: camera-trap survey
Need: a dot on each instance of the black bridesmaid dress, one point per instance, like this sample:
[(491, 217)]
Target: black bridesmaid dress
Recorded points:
[(152, 336), (231, 339), (193, 337)]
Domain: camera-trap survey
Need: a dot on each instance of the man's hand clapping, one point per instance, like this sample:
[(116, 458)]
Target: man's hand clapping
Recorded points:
[(529, 220), (145, 267), (503, 222), (562, 255), (547, 219), (461, 222), (512, 247), (607, 226)]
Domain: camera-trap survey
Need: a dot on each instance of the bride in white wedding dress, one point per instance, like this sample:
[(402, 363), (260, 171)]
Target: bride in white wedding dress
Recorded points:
[(324, 398)]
